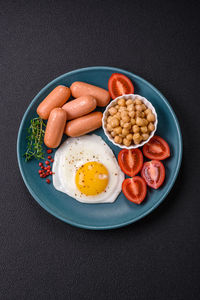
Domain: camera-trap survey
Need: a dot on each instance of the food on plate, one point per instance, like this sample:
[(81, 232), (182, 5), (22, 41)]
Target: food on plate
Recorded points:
[(49, 151), (83, 125), (45, 168), (153, 173), (86, 169), (79, 107), (130, 161), (55, 127), (119, 85), (56, 98), (130, 121), (134, 189), (79, 89), (157, 148), (84, 166), (35, 139)]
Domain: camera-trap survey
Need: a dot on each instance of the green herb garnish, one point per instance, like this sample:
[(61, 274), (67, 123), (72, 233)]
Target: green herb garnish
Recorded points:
[(35, 140)]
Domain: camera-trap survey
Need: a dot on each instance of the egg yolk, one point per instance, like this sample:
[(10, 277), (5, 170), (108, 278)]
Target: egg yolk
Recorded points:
[(92, 178)]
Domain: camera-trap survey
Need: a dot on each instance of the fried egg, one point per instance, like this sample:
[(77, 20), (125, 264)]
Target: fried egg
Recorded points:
[(86, 169)]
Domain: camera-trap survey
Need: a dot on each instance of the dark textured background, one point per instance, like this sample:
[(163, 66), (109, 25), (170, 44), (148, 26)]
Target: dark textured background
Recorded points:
[(43, 258)]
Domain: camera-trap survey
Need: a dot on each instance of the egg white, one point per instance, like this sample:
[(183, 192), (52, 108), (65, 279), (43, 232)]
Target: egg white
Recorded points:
[(75, 152)]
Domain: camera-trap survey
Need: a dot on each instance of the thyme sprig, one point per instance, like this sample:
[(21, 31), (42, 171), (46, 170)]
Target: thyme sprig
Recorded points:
[(35, 140)]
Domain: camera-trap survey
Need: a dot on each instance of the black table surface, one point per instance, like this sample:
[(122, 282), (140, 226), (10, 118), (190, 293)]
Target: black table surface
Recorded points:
[(44, 258)]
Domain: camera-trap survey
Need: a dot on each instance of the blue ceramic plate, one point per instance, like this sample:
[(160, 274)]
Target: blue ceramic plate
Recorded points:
[(121, 212)]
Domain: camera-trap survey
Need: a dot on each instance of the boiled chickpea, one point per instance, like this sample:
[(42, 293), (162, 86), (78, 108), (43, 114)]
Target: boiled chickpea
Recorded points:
[(125, 131), (138, 107), (121, 102), (109, 119), (136, 136), (147, 111), (143, 129), (122, 123), (127, 125), (145, 136), (117, 115), (129, 136), (137, 102), (137, 141), (142, 114), (151, 127), (131, 113), (133, 121), (116, 106), (112, 111), (126, 142), (145, 122), (126, 119), (151, 117), (124, 114), (135, 128), (129, 101), (144, 107), (139, 121), (138, 114), (114, 122), (113, 134), (118, 139), (130, 107), (109, 127), (122, 108), (118, 130)]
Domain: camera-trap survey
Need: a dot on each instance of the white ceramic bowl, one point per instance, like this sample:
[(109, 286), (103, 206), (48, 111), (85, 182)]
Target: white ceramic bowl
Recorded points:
[(112, 103)]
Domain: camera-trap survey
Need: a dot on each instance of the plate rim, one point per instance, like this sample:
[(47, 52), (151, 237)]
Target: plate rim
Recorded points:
[(121, 224)]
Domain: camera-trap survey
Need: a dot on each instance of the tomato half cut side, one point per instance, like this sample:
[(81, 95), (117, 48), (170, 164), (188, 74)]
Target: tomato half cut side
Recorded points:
[(130, 161), (119, 84), (153, 173), (134, 189), (157, 148)]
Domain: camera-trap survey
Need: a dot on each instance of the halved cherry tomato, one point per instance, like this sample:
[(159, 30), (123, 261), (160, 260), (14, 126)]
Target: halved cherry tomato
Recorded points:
[(156, 148), (119, 84), (153, 173), (130, 161), (134, 189)]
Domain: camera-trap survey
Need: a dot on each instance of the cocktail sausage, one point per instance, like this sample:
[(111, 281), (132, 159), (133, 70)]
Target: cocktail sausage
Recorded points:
[(85, 124), (56, 98), (79, 89), (79, 107), (55, 127)]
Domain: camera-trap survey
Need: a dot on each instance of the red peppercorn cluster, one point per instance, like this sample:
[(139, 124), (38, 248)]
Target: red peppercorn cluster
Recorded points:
[(45, 171)]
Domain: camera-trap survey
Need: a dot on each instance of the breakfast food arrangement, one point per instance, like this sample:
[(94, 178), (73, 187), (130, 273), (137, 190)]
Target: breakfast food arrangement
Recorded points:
[(93, 145), (84, 166)]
